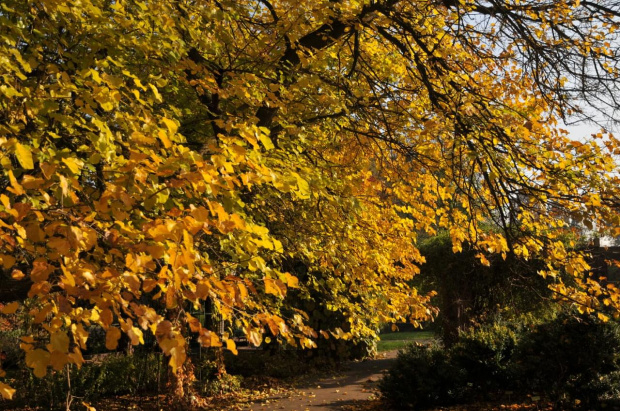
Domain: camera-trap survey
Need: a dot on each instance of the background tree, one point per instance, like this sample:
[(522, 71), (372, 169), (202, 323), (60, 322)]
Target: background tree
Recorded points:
[(471, 294)]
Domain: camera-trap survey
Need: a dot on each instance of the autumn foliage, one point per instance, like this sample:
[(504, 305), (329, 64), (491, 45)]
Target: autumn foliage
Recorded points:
[(158, 155)]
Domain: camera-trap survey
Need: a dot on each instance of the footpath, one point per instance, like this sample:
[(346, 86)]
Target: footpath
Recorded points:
[(353, 389)]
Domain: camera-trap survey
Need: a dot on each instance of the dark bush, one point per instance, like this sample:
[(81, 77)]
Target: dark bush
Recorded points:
[(212, 379), (424, 377), (570, 359), (475, 366), (110, 374), (484, 355)]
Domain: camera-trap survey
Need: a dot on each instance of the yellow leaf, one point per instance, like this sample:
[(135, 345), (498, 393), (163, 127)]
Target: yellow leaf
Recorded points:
[(274, 287), (24, 156), (43, 312), (48, 170), (172, 126), (95, 75), (10, 308), (38, 360), (155, 92), (177, 353), (243, 291), (264, 138), (164, 139), (111, 338), (167, 344), (17, 275), (61, 245), (104, 100), (136, 336), (177, 358), (68, 278), (58, 360), (17, 188), (602, 317), (28, 339), (64, 186), (32, 183), (60, 341), (209, 339), (106, 317), (483, 260), (303, 186), (88, 407), (255, 338), (291, 280), (80, 335), (6, 391), (76, 357), (73, 164), (8, 261), (230, 346), (6, 202)]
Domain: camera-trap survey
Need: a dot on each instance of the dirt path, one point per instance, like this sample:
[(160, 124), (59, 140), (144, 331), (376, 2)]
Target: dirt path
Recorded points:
[(354, 388)]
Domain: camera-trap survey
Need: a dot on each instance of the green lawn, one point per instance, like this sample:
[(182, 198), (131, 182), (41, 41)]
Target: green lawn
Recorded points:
[(398, 340)]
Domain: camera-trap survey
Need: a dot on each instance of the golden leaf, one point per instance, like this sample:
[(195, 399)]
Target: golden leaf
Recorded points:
[(38, 360), (6, 391), (291, 280), (58, 360), (80, 335), (74, 164), (76, 357), (274, 287), (172, 126), (24, 156), (17, 275), (111, 338), (164, 138), (231, 346), (16, 187), (255, 337), (8, 261), (264, 138), (10, 308), (60, 341)]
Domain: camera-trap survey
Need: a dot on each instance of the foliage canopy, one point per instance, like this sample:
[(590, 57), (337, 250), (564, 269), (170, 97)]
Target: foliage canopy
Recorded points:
[(158, 154)]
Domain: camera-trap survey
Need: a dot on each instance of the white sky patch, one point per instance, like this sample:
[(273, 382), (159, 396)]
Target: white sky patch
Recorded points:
[(581, 131)]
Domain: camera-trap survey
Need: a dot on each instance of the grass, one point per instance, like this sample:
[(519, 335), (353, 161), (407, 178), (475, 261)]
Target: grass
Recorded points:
[(398, 340)]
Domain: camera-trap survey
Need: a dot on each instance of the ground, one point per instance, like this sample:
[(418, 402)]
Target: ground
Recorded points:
[(355, 388)]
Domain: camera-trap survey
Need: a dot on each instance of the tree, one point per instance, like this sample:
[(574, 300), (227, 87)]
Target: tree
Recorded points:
[(471, 294), (163, 153)]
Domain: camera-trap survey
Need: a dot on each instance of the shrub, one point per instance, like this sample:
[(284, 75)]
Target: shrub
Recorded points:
[(10, 353), (484, 355), (477, 364), (110, 374), (423, 377), (221, 384), (570, 359), (212, 379)]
